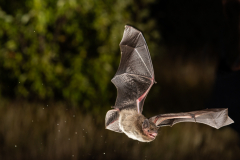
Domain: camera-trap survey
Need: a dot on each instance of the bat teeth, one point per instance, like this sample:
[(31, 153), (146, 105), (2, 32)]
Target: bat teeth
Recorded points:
[(154, 134)]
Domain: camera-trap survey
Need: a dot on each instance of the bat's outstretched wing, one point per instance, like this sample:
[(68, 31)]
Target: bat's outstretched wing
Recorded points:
[(215, 118), (135, 74), (134, 77)]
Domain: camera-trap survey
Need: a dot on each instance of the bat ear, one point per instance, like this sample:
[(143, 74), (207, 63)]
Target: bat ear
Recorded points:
[(145, 124)]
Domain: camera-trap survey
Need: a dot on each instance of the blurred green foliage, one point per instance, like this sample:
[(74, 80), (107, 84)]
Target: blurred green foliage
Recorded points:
[(65, 49)]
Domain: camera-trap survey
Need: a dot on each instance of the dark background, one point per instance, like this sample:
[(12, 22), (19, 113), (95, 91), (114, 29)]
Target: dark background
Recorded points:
[(57, 58)]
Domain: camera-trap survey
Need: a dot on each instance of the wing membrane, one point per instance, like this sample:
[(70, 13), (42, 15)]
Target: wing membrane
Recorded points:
[(135, 74), (111, 121), (129, 88), (215, 118)]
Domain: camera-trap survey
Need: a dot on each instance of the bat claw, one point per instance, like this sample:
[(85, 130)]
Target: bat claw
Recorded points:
[(193, 116), (116, 108)]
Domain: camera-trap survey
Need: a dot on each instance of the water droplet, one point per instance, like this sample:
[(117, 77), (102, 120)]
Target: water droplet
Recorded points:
[(65, 121), (58, 130), (103, 153), (19, 82), (43, 108), (73, 115), (32, 120), (58, 124), (15, 145), (75, 132), (82, 129), (34, 31), (72, 155), (69, 139)]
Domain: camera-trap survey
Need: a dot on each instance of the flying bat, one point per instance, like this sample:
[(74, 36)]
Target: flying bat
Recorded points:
[(133, 80)]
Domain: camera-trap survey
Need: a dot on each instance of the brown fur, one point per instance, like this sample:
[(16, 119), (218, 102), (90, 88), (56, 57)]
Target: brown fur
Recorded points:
[(130, 122)]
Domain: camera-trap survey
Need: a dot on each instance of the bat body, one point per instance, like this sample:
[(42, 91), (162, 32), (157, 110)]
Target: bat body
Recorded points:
[(133, 80), (131, 123)]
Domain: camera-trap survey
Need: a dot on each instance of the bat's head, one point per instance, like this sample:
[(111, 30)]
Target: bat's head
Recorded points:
[(149, 129)]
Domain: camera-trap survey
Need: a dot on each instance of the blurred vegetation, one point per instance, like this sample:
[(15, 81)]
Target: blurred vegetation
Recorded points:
[(64, 50)]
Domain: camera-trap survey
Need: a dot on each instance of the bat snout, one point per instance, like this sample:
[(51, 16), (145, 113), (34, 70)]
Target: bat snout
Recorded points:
[(153, 135)]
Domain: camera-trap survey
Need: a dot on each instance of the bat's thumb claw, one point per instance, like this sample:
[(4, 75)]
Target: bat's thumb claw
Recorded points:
[(193, 116), (155, 82)]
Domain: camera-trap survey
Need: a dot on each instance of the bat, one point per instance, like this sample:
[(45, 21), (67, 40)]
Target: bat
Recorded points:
[(133, 80)]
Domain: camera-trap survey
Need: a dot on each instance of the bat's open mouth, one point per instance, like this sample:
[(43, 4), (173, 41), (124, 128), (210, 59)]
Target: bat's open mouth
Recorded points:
[(153, 135)]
